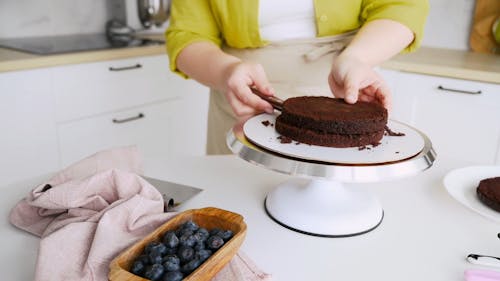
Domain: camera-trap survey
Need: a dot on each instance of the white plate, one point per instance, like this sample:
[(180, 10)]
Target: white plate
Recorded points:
[(390, 149), (462, 183)]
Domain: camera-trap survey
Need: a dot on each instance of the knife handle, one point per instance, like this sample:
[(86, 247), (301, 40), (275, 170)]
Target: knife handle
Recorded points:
[(276, 102)]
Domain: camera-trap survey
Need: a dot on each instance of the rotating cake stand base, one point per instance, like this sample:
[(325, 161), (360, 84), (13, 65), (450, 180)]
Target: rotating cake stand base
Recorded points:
[(323, 207)]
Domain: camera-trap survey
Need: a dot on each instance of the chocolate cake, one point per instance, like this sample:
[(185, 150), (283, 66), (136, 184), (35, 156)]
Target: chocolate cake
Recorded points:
[(331, 122), (488, 192)]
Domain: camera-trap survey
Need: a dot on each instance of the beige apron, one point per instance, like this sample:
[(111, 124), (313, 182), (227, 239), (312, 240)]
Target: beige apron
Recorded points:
[(293, 67)]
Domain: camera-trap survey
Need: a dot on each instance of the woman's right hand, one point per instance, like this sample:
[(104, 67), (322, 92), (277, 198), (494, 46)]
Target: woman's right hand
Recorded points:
[(239, 78)]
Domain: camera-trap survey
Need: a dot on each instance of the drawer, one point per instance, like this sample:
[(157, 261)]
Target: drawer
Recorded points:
[(95, 88), (151, 128)]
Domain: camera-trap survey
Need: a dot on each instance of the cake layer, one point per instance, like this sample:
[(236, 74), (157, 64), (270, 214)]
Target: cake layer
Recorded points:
[(330, 115), (488, 192), (327, 139)]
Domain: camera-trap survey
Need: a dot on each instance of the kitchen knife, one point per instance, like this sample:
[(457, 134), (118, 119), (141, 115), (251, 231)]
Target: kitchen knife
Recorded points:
[(173, 194)]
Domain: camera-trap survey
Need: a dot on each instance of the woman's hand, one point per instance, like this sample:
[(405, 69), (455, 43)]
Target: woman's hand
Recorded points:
[(353, 80), (239, 78)]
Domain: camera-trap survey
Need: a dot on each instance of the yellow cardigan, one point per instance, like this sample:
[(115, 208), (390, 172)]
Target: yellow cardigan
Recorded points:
[(235, 22)]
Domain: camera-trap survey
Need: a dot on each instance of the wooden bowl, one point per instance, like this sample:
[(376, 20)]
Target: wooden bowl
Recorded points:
[(208, 218)]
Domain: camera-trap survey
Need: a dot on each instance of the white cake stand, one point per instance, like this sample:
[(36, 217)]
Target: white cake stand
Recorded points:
[(318, 202)]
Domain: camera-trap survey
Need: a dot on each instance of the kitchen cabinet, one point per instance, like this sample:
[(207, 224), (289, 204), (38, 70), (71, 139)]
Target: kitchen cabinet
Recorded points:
[(129, 102), (461, 117), (28, 136), (84, 90), (52, 117), (149, 127)]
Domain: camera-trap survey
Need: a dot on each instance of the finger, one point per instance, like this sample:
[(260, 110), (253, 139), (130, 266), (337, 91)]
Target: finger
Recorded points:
[(246, 97), (383, 95), (260, 81), (335, 88), (239, 108), (351, 88)]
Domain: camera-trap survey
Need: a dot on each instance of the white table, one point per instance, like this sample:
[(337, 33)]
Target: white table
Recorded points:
[(425, 234)]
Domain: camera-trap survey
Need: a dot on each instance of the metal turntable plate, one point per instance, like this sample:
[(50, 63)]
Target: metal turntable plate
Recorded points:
[(391, 148)]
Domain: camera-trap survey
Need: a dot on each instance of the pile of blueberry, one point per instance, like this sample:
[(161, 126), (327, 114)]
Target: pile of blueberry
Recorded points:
[(179, 253)]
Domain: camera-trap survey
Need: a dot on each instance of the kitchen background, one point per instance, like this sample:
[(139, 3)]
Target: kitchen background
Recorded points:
[(448, 25)]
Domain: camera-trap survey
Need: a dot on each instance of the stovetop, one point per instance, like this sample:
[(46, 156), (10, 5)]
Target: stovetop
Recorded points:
[(47, 45)]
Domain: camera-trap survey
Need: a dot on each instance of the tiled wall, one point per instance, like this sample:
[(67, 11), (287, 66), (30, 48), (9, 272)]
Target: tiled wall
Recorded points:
[(448, 24), (21, 18)]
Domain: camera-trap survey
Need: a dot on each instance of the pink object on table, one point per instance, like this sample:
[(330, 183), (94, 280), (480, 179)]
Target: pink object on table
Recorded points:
[(91, 211), (481, 275)]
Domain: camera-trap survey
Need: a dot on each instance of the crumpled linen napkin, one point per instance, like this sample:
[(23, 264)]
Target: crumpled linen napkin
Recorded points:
[(481, 275), (91, 211)]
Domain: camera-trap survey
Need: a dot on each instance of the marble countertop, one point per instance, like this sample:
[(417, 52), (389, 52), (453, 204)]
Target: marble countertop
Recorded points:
[(432, 61), (425, 234)]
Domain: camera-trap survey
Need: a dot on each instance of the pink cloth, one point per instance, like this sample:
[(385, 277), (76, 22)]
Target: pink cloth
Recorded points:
[(481, 275), (92, 211)]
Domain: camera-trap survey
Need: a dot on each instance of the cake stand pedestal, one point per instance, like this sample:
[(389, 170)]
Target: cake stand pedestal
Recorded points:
[(318, 201)]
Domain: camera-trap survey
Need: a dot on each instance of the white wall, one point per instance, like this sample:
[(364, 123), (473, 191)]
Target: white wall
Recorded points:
[(448, 24)]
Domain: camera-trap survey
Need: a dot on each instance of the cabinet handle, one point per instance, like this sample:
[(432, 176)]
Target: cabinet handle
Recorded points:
[(459, 91), (137, 66), (124, 120)]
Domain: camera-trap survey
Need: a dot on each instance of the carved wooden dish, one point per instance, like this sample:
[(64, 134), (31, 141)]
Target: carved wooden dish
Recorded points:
[(208, 218)]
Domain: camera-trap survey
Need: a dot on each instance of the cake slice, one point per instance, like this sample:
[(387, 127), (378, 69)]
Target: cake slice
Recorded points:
[(488, 192)]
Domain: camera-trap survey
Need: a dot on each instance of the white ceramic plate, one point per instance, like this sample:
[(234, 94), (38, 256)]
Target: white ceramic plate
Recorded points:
[(390, 149), (462, 183)]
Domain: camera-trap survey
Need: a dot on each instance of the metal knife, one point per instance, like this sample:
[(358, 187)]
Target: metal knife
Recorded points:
[(173, 194)]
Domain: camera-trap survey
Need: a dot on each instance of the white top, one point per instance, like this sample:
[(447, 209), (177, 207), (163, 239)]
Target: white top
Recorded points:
[(282, 19)]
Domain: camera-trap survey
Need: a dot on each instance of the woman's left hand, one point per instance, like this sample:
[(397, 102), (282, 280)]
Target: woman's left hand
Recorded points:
[(353, 80)]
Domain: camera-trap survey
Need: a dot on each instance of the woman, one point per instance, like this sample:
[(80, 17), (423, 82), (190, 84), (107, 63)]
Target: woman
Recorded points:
[(287, 48)]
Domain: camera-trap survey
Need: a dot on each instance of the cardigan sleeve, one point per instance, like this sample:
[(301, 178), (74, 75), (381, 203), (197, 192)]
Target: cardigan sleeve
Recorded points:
[(411, 13), (190, 21)]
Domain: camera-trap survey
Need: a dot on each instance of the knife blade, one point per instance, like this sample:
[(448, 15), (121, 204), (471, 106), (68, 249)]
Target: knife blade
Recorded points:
[(173, 194)]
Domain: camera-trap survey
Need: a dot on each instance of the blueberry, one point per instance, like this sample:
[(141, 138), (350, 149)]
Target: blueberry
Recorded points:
[(224, 234), (154, 272), (183, 231), (191, 225), (190, 266), (170, 239), (199, 246), (201, 234), (173, 276), (172, 258), (160, 249), (214, 242), (202, 255), (185, 254), (150, 246), (171, 251), (138, 268), (171, 266), (155, 257), (187, 240), (215, 231), (143, 258)]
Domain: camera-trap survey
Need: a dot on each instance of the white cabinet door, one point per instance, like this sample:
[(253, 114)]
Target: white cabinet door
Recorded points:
[(28, 138), (462, 118), (149, 127), (85, 90)]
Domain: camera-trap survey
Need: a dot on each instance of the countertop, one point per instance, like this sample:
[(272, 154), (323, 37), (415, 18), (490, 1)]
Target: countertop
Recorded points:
[(425, 234), (432, 61)]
